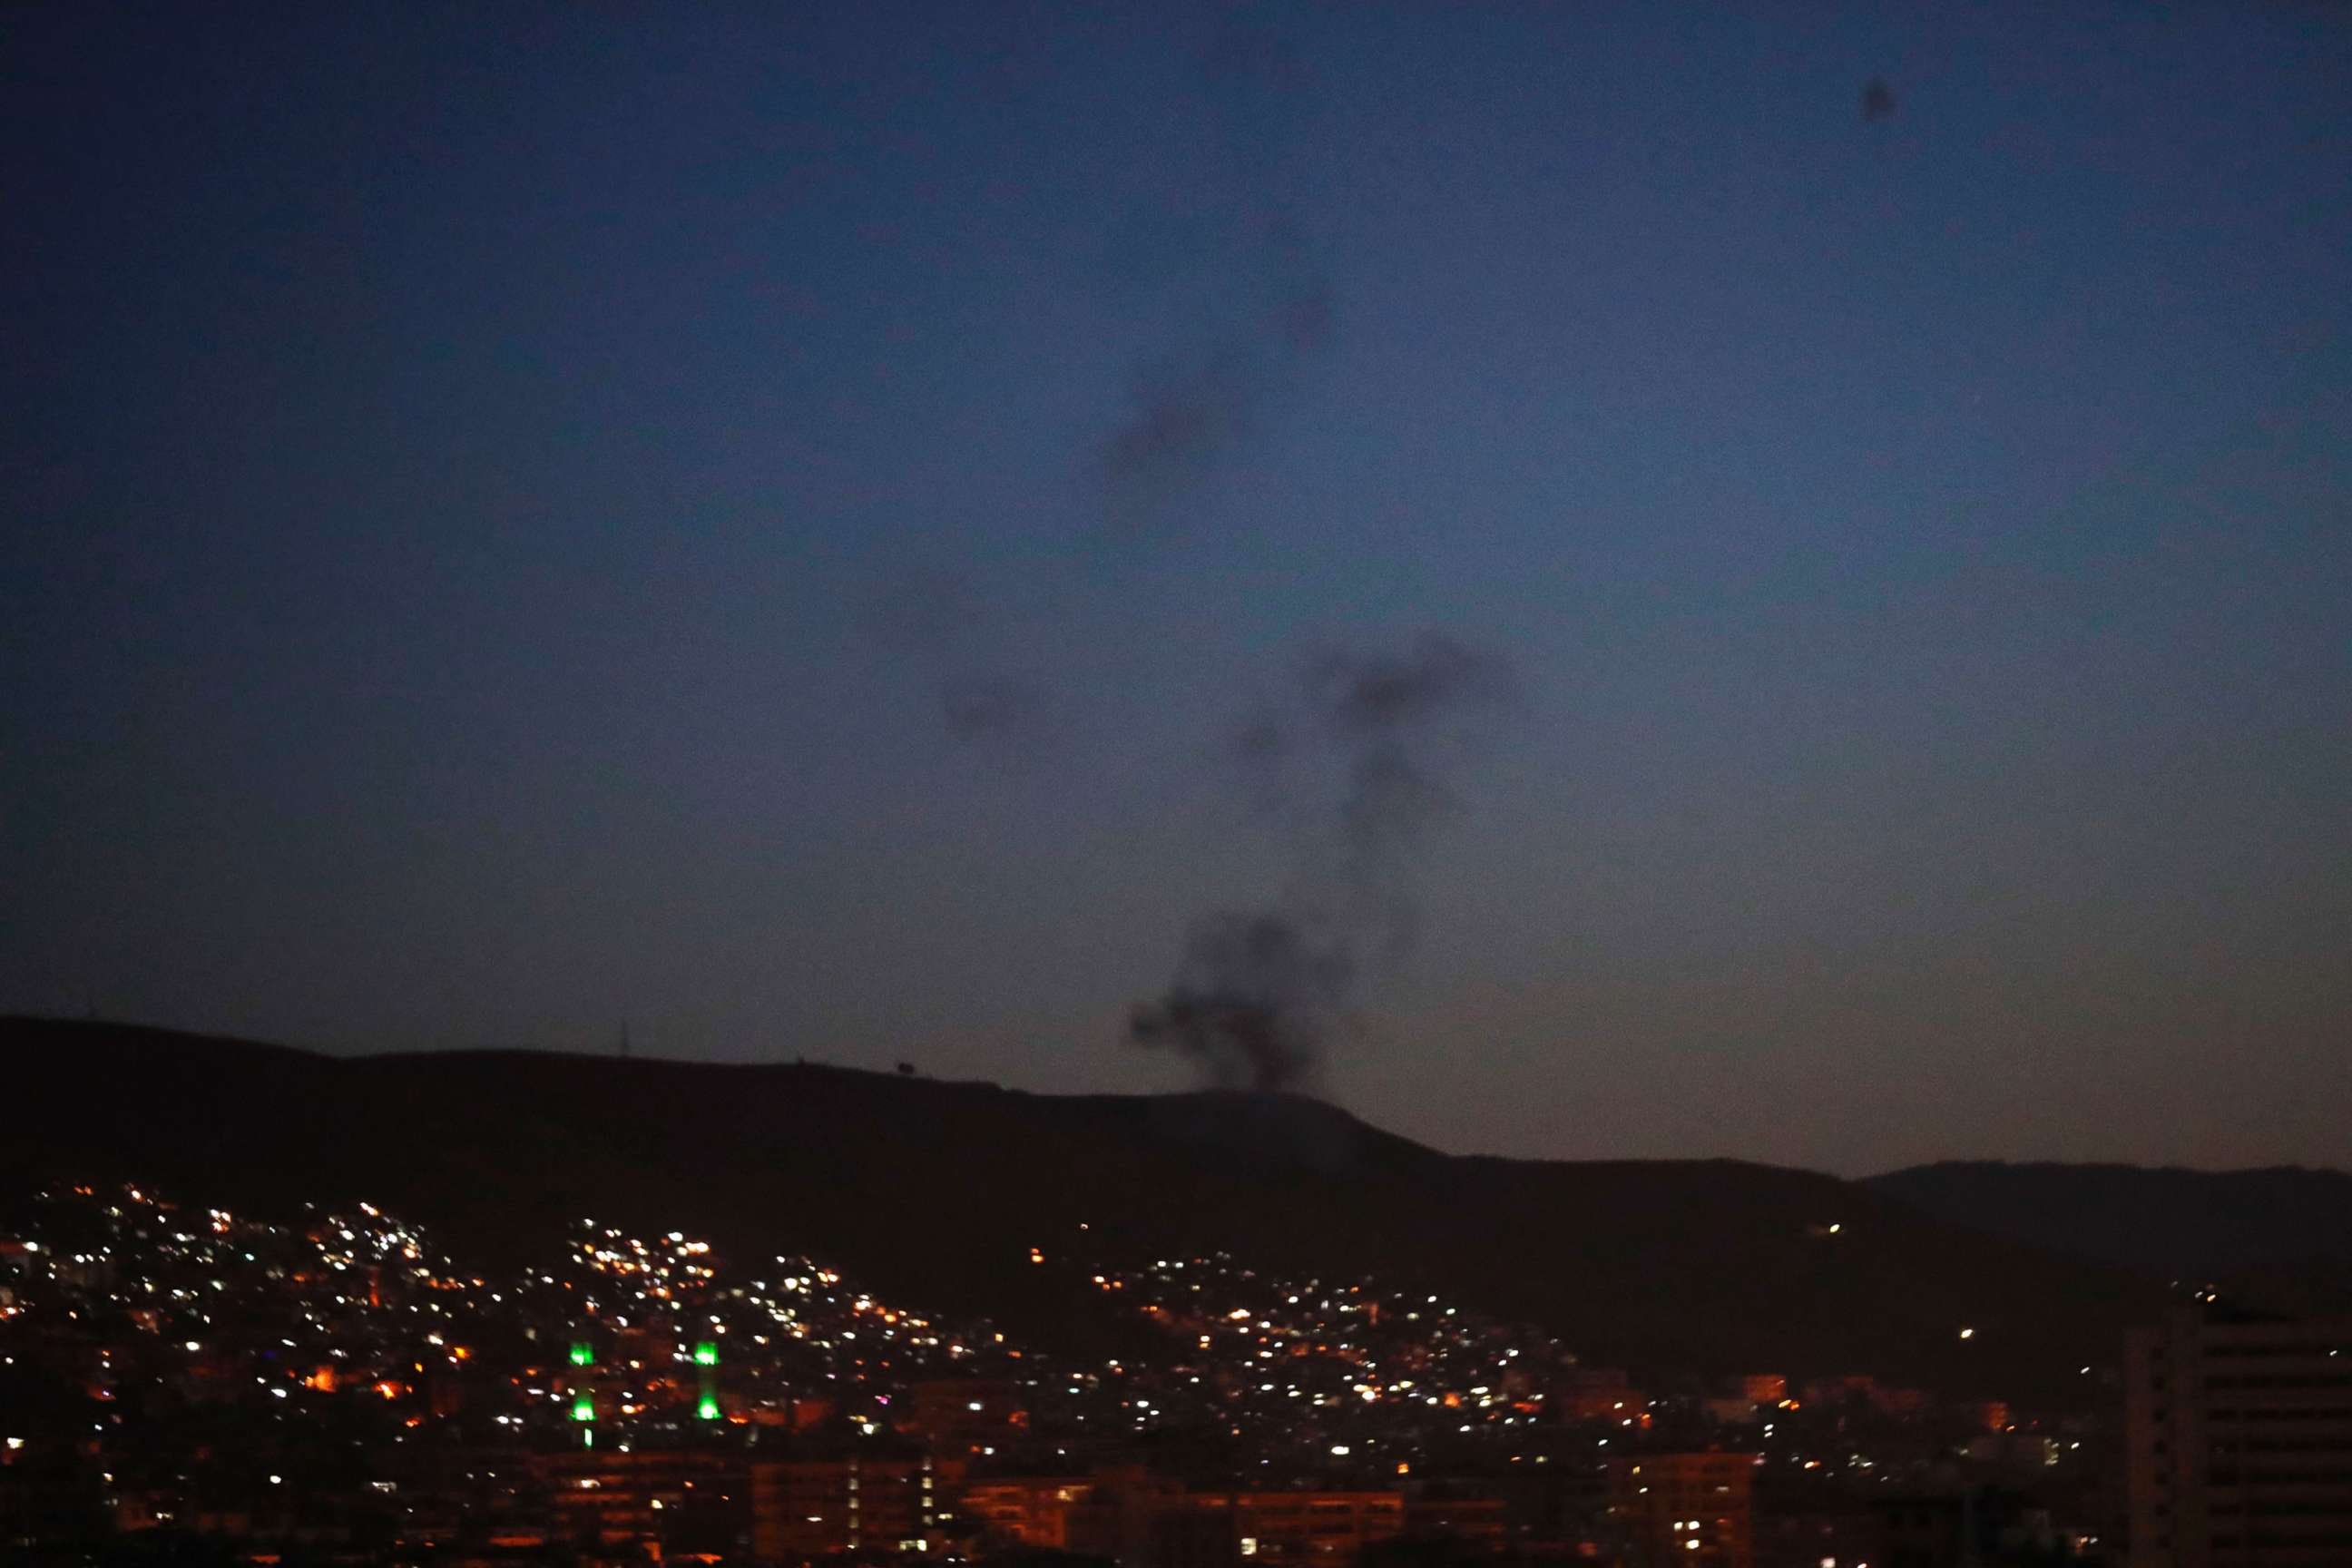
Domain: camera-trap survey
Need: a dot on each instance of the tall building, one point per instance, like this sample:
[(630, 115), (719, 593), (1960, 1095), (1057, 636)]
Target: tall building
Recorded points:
[(1027, 1511), (1462, 1514), (1694, 1507), (1601, 1394), (677, 1500), (1121, 1510), (1307, 1527), (832, 1494), (2238, 1437)]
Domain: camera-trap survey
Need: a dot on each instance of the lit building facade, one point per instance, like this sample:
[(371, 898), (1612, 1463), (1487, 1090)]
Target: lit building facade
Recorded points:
[(1694, 1507), (858, 1497), (1307, 1527), (2239, 1442), (657, 1500), (1027, 1511)]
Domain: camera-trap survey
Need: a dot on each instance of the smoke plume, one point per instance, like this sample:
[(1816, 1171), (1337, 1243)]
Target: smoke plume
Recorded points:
[(1264, 302), (978, 709), (1183, 420), (954, 635), (1255, 999), (1355, 770)]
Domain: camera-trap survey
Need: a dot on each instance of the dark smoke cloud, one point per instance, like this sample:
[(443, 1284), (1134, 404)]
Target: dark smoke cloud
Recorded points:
[(1203, 395), (1435, 680), (1397, 720), (1259, 995), (983, 708), (1248, 305), (1256, 998), (945, 628), (1181, 422)]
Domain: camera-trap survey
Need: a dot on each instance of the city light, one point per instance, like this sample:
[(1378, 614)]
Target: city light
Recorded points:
[(1327, 1388)]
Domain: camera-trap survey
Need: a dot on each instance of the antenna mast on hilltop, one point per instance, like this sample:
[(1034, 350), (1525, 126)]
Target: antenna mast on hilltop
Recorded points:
[(625, 1039)]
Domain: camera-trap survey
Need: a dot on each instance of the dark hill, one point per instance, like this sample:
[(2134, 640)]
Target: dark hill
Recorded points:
[(937, 1190), (2283, 1233)]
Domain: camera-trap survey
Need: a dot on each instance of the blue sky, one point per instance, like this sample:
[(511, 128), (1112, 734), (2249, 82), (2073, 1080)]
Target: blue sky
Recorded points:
[(526, 520)]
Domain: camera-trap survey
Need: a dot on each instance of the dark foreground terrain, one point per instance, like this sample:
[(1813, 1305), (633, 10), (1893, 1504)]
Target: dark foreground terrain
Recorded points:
[(938, 1191)]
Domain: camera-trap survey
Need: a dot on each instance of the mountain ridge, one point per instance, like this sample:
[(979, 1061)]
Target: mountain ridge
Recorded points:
[(1684, 1270), (2277, 1237)]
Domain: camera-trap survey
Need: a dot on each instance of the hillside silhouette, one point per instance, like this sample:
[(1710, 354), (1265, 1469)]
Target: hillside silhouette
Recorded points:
[(936, 1192), (2279, 1237)]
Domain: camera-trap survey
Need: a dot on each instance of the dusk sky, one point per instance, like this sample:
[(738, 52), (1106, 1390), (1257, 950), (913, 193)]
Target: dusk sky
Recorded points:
[(827, 531)]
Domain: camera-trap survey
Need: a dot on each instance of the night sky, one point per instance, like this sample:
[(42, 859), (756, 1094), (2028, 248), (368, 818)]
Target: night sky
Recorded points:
[(1764, 585)]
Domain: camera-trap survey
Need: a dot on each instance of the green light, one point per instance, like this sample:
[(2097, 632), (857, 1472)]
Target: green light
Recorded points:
[(582, 1353), (583, 1409), (709, 1409), (705, 1354)]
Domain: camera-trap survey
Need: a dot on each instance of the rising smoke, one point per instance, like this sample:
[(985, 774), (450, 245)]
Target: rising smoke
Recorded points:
[(978, 709), (957, 637), (1254, 1000), (1202, 391), (1356, 773), (1240, 303)]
